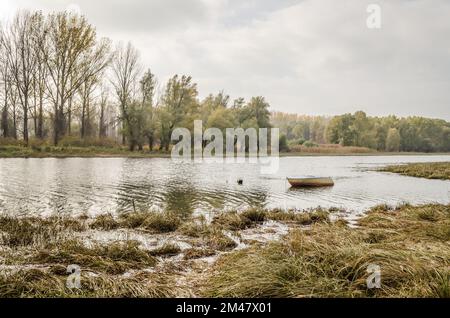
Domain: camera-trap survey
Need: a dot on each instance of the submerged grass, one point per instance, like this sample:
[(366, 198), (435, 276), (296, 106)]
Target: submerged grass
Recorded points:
[(410, 244), (438, 170)]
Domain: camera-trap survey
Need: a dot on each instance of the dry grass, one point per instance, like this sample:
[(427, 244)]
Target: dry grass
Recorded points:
[(235, 221), (104, 222), (330, 149), (195, 253), (330, 260), (19, 232), (167, 250), (155, 222), (218, 241), (115, 258), (438, 170), (304, 218), (326, 259), (41, 284), (194, 228)]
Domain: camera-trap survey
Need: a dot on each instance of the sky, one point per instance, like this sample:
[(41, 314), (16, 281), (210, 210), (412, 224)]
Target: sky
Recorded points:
[(315, 57)]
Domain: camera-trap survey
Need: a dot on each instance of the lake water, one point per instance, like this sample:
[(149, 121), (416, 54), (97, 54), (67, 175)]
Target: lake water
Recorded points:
[(114, 185)]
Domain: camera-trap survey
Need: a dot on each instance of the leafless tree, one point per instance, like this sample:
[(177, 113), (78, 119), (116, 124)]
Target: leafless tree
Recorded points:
[(40, 75), (21, 55), (126, 70), (5, 89), (73, 56), (102, 125), (86, 92)]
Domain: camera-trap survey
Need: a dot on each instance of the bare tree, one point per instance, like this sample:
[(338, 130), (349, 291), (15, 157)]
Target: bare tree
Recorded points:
[(40, 75), (86, 91), (22, 61), (13, 111), (73, 55), (5, 88), (126, 70), (102, 125)]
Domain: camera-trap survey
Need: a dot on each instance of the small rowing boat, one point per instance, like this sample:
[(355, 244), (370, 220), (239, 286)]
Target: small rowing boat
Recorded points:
[(311, 182)]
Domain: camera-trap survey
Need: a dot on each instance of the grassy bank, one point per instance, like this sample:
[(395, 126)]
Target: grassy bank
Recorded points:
[(76, 152), (119, 152), (318, 258), (330, 260), (70, 147), (439, 170), (329, 149), (35, 252)]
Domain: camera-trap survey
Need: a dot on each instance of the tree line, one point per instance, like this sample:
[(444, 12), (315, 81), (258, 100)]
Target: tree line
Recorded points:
[(391, 133), (59, 80)]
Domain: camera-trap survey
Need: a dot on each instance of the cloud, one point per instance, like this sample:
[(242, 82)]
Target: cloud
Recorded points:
[(314, 57)]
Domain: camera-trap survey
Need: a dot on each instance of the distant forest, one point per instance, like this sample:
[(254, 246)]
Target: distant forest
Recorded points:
[(60, 84), (392, 134)]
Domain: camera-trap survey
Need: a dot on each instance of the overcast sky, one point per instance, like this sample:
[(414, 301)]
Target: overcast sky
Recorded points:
[(304, 56)]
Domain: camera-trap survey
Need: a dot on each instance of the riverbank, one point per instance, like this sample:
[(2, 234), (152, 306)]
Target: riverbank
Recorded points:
[(118, 152), (76, 152), (436, 170), (256, 253)]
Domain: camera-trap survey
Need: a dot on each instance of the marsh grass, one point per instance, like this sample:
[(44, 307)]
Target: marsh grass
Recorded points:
[(301, 218), (235, 221), (155, 222), (194, 228), (324, 259), (331, 259), (41, 284), (167, 250), (255, 215), (217, 240), (195, 253), (19, 232), (232, 221), (162, 222), (438, 170), (115, 258), (104, 222)]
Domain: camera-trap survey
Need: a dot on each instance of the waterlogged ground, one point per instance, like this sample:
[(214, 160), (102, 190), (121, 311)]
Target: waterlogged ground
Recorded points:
[(102, 214), (256, 253), (147, 246), (75, 186)]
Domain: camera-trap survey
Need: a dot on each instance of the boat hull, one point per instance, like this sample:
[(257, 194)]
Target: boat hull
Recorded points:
[(311, 182)]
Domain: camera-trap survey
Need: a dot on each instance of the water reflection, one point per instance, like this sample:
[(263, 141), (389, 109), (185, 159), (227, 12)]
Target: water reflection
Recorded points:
[(76, 186)]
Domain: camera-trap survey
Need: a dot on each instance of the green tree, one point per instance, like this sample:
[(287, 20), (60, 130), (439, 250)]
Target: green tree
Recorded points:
[(283, 144), (393, 140), (148, 85), (180, 106)]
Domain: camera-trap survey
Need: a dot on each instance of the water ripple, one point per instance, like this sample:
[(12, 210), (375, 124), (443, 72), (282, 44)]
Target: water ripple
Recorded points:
[(45, 186)]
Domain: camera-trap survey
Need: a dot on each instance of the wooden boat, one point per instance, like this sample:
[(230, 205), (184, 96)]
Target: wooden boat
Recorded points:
[(311, 182)]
